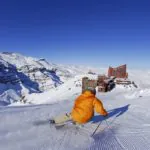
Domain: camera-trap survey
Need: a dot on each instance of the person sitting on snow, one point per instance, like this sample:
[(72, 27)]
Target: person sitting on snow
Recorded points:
[(83, 109)]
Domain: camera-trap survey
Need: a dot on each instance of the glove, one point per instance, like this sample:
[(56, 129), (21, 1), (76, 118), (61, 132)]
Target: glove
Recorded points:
[(105, 115)]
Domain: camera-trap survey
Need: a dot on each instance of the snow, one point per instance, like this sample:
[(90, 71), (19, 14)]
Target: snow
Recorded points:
[(127, 126), (69, 90), (26, 75)]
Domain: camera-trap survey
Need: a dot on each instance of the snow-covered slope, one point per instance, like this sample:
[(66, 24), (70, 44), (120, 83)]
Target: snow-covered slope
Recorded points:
[(68, 91), (41, 82), (127, 126), (72, 87), (22, 76)]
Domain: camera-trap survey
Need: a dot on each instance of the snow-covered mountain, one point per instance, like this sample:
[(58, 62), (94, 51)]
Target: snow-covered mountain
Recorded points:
[(37, 81), (21, 75)]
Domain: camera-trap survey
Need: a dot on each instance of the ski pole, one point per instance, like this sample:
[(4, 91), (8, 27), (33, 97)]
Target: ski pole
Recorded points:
[(104, 118), (96, 129), (109, 126)]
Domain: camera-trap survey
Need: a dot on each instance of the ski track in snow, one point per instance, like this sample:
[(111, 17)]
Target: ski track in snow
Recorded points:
[(128, 131)]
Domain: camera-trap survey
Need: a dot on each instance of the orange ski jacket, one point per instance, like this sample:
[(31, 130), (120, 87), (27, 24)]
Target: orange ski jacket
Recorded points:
[(84, 107)]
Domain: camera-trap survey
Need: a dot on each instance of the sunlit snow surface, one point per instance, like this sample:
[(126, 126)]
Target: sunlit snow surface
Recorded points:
[(127, 126)]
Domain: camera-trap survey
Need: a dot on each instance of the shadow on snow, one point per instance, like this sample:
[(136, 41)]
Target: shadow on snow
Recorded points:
[(114, 112)]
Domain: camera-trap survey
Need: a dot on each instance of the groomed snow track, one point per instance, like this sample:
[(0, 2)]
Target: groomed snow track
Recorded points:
[(124, 129)]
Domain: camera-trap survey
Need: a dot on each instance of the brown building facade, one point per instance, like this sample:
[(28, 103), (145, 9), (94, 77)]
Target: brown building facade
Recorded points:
[(103, 83), (86, 82), (119, 72), (102, 86)]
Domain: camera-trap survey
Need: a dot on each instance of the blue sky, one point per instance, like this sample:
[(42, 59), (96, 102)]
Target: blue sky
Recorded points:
[(80, 32)]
